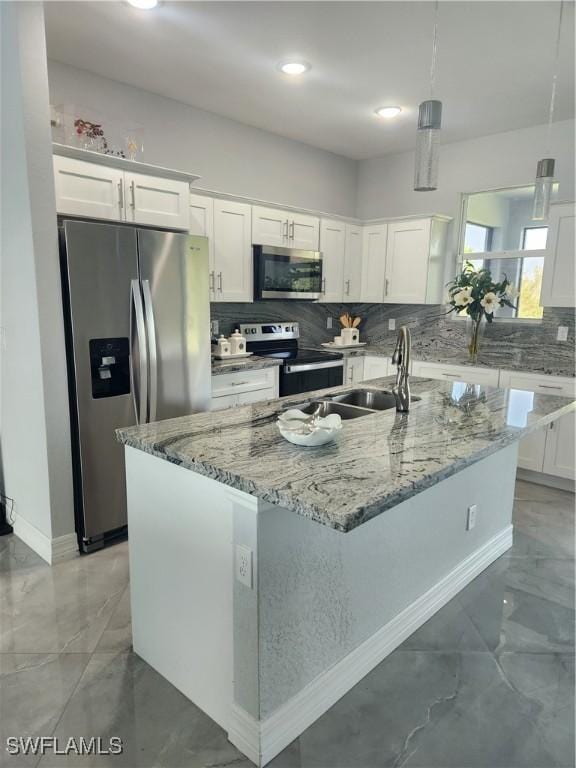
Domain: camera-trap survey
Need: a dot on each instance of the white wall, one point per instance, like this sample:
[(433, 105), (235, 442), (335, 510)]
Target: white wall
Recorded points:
[(35, 431), (230, 156), (500, 160)]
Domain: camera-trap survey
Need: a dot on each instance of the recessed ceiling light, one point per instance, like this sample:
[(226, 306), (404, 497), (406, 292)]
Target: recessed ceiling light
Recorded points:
[(294, 67), (144, 5), (388, 112)]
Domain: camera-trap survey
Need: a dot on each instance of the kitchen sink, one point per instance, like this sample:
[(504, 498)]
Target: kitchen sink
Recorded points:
[(326, 407), (373, 399), (353, 404)]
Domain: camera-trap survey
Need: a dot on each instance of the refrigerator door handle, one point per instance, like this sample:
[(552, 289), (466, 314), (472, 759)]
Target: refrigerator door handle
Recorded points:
[(152, 350), (137, 324)]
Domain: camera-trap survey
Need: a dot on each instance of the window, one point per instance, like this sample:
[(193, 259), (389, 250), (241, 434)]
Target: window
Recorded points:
[(497, 231)]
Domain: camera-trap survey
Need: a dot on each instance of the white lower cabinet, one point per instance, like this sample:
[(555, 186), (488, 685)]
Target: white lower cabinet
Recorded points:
[(468, 373), (375, 367), (551, 449), (243, 387), (353, 370)]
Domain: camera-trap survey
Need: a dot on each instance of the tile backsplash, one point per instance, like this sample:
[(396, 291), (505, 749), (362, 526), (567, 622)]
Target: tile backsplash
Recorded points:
[(525, 344)]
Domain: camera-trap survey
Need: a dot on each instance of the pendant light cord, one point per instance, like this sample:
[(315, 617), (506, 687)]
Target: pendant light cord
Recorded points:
[(435, 51), (554, 79)]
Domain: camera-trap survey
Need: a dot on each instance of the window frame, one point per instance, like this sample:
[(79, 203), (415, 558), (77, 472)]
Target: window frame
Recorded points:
[(523, 238), (519, 253)]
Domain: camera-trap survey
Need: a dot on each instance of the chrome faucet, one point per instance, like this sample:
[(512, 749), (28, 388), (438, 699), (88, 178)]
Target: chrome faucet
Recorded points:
[(401, 358)]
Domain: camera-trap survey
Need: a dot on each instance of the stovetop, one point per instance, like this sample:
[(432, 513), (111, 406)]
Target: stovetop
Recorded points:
[(299, 355), (280, 340)]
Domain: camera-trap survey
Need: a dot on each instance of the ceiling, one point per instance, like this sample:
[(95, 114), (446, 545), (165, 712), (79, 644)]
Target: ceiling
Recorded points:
[(494, 70)]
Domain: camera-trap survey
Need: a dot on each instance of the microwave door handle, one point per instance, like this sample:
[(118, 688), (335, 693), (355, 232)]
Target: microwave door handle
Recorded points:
[(152, 350), (138, 332)]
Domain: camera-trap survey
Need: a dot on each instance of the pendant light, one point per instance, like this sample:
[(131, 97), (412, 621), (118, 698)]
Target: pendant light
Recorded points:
[(545, 168), (428, 133)]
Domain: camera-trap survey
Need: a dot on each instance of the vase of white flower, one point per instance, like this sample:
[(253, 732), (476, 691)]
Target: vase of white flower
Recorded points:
[(473, 292)]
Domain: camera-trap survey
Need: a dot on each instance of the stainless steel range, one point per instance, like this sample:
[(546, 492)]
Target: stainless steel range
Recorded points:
[(302, 370)]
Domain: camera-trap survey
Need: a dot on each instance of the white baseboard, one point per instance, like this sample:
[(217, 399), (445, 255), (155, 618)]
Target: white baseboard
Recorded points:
[(262, 740), (51, 550), (541, 478)]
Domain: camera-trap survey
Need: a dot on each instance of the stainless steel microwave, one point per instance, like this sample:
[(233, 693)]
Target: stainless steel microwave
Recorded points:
[(287, 273)]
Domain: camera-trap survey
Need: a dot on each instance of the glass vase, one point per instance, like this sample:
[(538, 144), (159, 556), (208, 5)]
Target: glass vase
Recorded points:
[(473, 346)]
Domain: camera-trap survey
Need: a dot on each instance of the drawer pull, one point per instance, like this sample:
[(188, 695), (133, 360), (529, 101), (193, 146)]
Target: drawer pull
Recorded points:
[(451, 375), (548, 386)]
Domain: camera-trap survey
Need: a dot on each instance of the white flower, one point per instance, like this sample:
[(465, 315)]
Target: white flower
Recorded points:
[(490, 302), (512, 292), (463, 297)]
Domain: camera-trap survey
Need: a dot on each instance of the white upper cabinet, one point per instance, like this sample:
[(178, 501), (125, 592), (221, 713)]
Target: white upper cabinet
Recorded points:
[(353, 264), (333, 247), (415, 258), (157, 202), (100, 191), (87, 189), (232, 264), (202, 223), (374, 262), (558, 276), (269, 226), (272, 226), (304, 232)]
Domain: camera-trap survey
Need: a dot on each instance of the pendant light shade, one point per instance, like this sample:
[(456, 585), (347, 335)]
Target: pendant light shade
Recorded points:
[(543, 189), (544, 183), (428, 146), (428, 133)]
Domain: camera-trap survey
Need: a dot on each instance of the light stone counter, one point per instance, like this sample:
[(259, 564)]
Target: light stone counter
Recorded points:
[(377, 462), (243, 364)]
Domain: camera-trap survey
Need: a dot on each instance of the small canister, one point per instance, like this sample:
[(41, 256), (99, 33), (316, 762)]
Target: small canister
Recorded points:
[(222, 346), (350, 335), (237, 343)]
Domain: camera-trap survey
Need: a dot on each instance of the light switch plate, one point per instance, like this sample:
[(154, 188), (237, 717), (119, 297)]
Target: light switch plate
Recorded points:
[(214, 327), (392, 324), (562, 334), (471, 517), (328, 322)]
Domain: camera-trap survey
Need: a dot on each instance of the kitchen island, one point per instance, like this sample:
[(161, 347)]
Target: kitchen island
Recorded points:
[(268, 579)]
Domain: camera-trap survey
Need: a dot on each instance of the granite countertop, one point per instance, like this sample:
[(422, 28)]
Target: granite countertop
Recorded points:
[(376, 462), (243, 364)]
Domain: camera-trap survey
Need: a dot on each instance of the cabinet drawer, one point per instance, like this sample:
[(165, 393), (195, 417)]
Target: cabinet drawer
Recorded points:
[(243, 381), (465, 373), (544, 385)]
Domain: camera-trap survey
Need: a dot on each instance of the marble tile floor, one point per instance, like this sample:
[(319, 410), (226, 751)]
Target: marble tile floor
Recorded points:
[(488, 682)]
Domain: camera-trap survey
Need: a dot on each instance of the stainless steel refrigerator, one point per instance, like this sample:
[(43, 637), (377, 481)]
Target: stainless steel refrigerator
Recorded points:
[(137, 319)]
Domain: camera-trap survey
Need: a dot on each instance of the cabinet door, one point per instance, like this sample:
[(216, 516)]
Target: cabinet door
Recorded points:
[(304, 232), (558, 276), (222, 402), (333, 247), (157, 202), (375, 367), (269, 226), (353, 264), (407, 255), (202, 223), (232, 251), (374, 263), (88, 189), (559, 456), (354, 370)]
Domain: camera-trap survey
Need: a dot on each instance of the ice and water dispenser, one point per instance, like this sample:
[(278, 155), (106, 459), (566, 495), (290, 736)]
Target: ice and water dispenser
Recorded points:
[(110, 367)]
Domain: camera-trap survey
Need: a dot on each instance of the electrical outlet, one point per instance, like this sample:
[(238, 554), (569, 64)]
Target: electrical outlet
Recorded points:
[(392, 324), (471, 517), (328, 322), (562, 334), (214, 327), (244, 565)]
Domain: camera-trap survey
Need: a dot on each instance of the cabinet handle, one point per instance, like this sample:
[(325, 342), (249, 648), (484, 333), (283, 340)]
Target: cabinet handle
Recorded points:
[(212, 286), (386, 287), (548, 386), (220, 281), (551, 425), (120, 195), (285, 229), (323, 288), (132, 195), (451, 375), (240, 383), (292, 230), (347, 287)]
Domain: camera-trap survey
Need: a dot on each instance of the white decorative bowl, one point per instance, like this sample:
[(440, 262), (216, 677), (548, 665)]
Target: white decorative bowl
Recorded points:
[(295, 426)]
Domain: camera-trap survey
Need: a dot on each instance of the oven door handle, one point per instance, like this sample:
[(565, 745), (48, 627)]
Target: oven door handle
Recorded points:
[(313, 366)]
